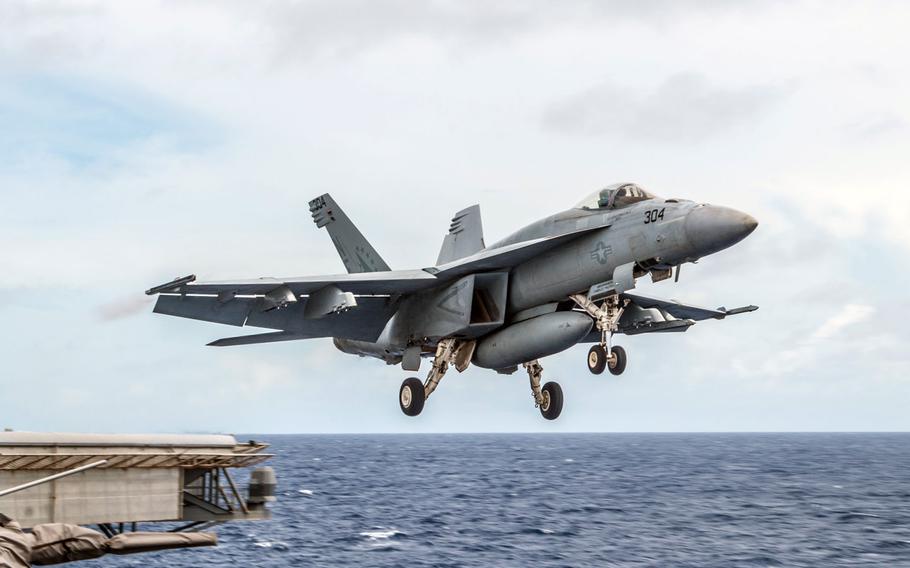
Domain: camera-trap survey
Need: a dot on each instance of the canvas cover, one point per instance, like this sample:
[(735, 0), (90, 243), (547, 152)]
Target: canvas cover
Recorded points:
[(131, 543), (15, 548), (56, 543)]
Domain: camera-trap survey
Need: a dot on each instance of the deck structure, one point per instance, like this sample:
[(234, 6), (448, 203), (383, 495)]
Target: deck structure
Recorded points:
[(146, 478)]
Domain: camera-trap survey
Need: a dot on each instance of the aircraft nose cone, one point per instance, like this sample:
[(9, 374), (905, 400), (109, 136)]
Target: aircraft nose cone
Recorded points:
[(710, 228)]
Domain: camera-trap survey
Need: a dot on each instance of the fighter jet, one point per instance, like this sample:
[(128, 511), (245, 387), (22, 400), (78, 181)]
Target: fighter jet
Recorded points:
[(563, 280)]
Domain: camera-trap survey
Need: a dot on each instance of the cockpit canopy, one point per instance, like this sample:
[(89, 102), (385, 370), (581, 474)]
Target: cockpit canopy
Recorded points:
[(615, 196)]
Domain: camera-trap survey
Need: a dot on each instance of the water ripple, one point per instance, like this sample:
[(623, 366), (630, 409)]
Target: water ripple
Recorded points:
[(629, 500)]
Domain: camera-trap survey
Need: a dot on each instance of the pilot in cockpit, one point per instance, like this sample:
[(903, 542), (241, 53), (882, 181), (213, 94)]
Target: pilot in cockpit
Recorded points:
[(615, 197)]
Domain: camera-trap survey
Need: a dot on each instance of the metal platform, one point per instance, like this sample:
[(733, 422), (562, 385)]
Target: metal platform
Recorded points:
[(34, 451), (146, 478)]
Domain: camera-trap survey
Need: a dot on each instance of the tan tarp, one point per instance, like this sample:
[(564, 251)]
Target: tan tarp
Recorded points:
[(15, 546), (130, 543), (57, 543)]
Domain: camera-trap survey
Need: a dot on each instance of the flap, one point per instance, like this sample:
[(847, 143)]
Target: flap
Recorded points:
[(364, 323)]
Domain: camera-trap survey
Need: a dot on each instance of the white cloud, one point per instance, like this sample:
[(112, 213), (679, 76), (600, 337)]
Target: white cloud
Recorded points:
[(410, 112), (850, 315), (684, 108)]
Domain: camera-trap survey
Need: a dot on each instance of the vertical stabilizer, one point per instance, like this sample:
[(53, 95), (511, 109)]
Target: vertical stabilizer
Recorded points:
[(356, 253), (465, 236)]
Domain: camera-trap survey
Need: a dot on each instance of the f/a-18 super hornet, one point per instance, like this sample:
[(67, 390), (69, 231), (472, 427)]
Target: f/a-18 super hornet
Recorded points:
[(562, 280)]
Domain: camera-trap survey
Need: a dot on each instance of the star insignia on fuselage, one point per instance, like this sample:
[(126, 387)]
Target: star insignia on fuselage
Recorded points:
[(601, 252)]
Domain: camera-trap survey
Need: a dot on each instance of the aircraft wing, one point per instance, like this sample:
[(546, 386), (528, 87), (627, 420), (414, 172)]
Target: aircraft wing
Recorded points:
[(685, 311), (364, 322), (350, 306), (671, 316), (370, 283), (390, 282)]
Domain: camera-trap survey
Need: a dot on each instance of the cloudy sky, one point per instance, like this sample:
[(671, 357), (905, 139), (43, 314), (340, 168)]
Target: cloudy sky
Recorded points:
[(144, 140)]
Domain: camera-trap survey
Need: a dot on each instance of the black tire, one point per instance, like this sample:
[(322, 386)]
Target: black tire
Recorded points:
[(552, 407), (597, 359), (412, 396), (617, 363)]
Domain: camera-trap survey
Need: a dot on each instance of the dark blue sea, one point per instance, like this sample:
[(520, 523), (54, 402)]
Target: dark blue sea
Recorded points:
[(539, 500)]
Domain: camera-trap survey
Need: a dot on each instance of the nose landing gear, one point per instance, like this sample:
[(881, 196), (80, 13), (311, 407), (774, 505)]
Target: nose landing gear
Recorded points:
[(617, 361), (599, 360), (606, 317)]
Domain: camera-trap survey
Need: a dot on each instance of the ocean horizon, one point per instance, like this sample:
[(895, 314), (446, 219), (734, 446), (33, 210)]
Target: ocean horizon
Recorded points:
[(594, 499)]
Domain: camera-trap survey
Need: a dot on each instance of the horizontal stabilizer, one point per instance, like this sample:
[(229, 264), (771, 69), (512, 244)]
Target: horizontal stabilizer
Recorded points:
[(270, 337), (357, 254), (465, 236)]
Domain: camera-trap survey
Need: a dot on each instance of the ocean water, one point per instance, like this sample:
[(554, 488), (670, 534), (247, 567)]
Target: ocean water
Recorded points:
[(667, 500)]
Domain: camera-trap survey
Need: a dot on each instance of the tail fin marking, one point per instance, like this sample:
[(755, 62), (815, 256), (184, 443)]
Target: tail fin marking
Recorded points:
[(465, 236), (357, 254)]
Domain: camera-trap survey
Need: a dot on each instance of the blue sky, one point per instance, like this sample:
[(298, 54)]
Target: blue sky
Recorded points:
[(143, 140)]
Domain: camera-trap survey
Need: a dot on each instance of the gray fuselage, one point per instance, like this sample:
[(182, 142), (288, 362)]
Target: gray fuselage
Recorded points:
[(655, 234)]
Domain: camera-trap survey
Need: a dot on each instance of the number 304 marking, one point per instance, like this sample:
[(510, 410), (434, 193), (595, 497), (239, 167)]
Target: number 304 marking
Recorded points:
[(654, 215)]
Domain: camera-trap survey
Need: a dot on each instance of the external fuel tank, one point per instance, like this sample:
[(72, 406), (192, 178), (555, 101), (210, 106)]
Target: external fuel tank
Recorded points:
[(531, 339)]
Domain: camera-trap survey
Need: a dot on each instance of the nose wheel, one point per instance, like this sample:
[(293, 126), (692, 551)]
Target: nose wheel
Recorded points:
[(606, 318), (617, 362), (599, 359)]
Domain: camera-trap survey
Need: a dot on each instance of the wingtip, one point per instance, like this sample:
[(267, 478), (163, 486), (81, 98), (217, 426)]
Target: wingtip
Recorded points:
[(172, 286), (742, 310)]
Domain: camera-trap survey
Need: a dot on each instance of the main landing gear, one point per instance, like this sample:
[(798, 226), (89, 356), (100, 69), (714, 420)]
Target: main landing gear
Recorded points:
[(606, 318), (548, 398), (413, 393)]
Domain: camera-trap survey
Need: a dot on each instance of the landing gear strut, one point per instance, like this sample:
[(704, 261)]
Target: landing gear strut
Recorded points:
[(549, 398), (413, 393), (606, 319)]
